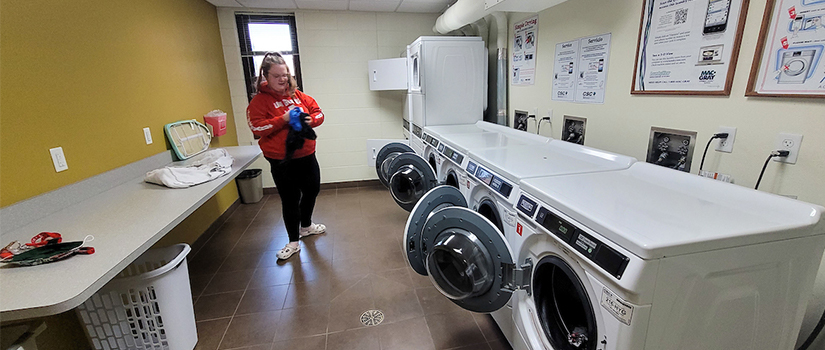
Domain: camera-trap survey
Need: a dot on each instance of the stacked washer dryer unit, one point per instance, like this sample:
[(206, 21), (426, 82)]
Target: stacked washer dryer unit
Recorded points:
[(493, 187), (447, 83), (446, 86)]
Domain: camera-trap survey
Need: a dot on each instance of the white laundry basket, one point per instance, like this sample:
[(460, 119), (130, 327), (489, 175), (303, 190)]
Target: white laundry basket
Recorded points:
[(147, 306)]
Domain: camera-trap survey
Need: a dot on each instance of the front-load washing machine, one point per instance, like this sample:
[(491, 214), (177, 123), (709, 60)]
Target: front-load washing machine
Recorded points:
[(651, 258), (409, 179), (385, 157), (451, 166), (493, 184)]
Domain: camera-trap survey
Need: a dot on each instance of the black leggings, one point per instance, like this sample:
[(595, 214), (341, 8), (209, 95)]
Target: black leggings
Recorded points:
[(298, 181)]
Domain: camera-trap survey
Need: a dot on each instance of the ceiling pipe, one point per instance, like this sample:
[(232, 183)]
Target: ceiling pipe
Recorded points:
[(462, 13)]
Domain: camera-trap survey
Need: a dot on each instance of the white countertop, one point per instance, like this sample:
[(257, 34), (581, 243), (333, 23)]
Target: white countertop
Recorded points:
[(125, 221)]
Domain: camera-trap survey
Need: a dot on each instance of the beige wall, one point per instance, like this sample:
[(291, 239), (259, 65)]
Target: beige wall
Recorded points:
[(335, 47), (622, 124)]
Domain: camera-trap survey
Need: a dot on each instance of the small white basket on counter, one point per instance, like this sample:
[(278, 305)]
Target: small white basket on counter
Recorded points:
[(147, 306)]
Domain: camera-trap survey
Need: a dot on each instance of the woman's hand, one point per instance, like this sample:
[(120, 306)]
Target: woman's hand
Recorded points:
[(285, 117)]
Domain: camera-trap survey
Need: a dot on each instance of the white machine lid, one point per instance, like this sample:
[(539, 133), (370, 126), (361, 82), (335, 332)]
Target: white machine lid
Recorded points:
[(656, 212), (442, 130), (446, 38), (465, 142), (550, 159)]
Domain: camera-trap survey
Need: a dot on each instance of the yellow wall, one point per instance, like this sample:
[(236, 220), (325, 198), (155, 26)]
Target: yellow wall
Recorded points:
[(88, 76)]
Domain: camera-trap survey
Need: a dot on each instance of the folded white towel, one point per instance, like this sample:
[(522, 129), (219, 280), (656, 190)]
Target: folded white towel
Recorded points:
[(204, 167)]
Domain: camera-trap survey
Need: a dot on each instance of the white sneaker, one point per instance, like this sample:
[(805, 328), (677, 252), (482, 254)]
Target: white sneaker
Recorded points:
[(288, 251), (313, 229)]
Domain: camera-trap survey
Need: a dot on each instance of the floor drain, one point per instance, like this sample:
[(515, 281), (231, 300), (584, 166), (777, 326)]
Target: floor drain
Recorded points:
[(372, 317)]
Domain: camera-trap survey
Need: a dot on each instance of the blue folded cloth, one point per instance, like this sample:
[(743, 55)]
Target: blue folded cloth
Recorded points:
[(295, 118)]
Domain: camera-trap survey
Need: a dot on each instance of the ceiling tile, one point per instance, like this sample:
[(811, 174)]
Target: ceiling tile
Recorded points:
[(269, 4), (374, 6), (224, 3), (339, 5), (428, 6)]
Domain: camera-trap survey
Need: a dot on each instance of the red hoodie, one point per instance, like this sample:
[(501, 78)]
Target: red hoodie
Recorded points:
[(265, 118)]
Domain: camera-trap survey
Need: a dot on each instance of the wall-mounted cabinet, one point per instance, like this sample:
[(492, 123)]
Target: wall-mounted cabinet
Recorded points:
[(388, 74)]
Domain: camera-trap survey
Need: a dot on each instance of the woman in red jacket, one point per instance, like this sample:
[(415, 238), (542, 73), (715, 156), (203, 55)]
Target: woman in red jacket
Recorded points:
[(298, 178)]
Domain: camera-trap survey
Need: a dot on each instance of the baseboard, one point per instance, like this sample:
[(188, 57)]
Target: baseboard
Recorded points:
[(204, 237), (337, 185)]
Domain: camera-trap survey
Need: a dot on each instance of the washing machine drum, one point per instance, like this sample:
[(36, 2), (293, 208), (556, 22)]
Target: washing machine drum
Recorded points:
[(411, 178), (385, 156), (487, 208), (563, 306), (452, 179)]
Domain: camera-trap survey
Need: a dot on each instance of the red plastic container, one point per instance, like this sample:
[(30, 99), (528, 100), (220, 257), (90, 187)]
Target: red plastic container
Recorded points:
[(216, 120)]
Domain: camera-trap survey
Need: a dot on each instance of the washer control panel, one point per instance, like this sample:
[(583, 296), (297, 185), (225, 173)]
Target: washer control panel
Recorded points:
[(497, 183), (416, 130), (451, 154), (601, 254), (405, 124), (431, 140)]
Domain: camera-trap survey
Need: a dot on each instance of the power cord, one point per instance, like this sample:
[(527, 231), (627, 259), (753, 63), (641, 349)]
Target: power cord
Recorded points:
[(814, 333), (538, 127), (777, 153), (721, 135)]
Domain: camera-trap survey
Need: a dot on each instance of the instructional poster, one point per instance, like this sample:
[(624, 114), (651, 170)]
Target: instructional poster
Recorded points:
[(687, 46), (594, 53), (791, 60), (524, 51), (580, 69), (564, 71)]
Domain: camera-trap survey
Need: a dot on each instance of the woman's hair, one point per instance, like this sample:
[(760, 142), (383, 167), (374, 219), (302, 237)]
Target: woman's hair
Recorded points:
[(270, 59)]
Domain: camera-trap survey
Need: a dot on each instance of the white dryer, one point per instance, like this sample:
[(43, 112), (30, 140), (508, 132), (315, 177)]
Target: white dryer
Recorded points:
[(651, 258)]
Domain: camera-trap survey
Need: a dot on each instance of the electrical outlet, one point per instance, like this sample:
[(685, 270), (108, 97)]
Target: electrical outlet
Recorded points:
[(791, 143), (59, 159), (147, 135), (726, 144)]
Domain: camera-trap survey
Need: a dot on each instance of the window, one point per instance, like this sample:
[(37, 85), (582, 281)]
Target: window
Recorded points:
[(260, 34)]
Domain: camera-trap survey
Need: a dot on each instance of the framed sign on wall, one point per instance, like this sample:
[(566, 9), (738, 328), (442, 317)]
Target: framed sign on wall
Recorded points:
[(788, 59), (688, 47)]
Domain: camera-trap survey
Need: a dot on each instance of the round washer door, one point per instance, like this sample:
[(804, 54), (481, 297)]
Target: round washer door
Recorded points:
[(411, 178), (438, 198), (563, 306), (465, 257), (385, 156)]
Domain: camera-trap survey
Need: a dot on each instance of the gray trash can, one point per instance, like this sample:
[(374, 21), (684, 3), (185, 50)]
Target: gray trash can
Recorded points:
[(250, 186)]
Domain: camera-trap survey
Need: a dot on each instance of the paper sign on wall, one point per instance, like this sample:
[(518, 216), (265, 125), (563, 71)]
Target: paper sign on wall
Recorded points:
[(790, 51), (580, 69), (524, 51)]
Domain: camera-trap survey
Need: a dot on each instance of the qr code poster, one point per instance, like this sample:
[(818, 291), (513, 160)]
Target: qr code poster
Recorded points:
[(524, 51), (688, 47)]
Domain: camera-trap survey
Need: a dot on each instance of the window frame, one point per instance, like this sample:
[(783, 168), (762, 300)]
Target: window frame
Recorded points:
[(242, 21)]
